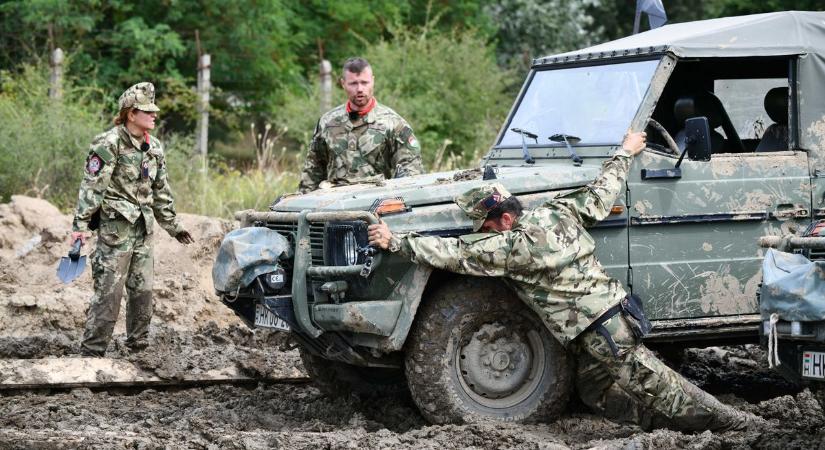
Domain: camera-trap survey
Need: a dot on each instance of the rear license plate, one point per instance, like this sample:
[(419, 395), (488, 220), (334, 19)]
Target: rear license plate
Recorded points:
[(267, 319), (813, 364)]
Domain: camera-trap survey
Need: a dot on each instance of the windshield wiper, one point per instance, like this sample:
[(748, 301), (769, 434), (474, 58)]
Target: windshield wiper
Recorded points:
[(567, 139), (525, 153)]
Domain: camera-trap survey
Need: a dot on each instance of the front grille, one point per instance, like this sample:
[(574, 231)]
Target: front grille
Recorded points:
[(316, 238)]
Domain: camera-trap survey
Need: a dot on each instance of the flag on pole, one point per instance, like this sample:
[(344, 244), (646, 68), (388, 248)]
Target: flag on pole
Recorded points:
[(655, 11)]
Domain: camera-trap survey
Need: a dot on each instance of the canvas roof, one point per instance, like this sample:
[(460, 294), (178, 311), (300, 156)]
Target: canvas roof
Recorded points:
[(770, 34)]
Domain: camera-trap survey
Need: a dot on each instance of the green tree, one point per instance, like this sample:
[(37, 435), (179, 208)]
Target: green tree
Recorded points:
[(529, 29)]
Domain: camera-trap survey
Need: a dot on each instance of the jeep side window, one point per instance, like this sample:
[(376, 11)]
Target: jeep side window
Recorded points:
[(756, 106), (732, 94)]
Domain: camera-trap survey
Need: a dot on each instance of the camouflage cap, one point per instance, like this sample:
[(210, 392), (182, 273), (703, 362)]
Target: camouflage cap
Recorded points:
[(477, 202), (140, 96)]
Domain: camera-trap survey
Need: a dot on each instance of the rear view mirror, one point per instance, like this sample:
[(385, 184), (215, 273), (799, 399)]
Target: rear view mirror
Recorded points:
[(697, 139), (697, 147)]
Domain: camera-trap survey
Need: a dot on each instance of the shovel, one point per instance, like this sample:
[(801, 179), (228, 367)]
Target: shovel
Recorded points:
[(73, 265)]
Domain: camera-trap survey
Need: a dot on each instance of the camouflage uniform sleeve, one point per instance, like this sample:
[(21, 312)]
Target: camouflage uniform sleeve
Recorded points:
[(163, 202), (593, 202), (95, 183), (405, 159), (315, 166), (481, 254)]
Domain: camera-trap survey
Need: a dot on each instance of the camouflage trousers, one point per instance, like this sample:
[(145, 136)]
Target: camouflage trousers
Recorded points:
[(637, 387), (123, 258)]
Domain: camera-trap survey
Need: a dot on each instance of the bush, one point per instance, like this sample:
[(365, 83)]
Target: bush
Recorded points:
[(43, 143)]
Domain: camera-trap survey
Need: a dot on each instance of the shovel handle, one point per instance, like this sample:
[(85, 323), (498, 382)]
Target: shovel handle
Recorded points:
[(74, 253)]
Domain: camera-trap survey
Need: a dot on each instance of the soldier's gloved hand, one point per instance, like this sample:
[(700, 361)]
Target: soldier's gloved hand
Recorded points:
[(379, 235), (634, 143), (184, 237), (78, 235)]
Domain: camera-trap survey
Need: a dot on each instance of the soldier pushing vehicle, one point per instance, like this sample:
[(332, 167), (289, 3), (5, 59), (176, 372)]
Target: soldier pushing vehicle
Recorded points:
[(546, 256)]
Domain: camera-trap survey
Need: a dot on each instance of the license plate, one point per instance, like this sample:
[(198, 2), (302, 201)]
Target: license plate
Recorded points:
[(813, 364), (266, 319)]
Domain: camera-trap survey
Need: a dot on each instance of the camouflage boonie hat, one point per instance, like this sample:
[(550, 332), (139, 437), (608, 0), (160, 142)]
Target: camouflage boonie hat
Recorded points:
[(477, 202), (140, 96)]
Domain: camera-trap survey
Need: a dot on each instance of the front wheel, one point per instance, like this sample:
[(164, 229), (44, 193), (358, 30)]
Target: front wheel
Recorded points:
[(477, 352)]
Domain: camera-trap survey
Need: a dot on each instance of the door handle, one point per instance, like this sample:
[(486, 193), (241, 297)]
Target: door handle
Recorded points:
[(786, 211)]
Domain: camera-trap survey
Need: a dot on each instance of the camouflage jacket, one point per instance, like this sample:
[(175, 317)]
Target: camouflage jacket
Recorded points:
[(547, 257), (378, 146), (122, 180)]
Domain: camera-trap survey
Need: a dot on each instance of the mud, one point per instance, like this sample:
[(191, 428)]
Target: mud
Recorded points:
[(193, 332)]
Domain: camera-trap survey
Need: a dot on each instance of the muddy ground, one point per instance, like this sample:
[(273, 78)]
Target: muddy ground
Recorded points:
[(191, 331)]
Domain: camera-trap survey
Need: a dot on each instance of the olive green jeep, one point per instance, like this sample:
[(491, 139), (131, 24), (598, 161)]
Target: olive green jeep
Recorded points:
[(735, 117)]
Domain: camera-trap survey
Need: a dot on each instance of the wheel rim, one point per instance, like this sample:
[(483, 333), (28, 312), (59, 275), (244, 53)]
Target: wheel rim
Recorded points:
[(500, 366)]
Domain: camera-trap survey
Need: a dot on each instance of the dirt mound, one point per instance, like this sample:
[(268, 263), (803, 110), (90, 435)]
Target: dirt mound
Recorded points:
[(34, 303), (191, 330)]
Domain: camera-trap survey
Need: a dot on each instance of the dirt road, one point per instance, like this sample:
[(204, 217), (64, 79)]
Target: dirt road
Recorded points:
[(192, 332)]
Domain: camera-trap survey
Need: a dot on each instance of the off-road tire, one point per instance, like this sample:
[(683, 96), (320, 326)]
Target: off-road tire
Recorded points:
[(453, 329), (338, 379)]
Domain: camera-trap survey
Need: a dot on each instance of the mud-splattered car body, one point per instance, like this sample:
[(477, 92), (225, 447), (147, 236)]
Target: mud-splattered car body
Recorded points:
[(685, 244)]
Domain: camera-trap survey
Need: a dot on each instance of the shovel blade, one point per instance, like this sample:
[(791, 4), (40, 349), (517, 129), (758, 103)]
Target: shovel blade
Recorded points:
[(68, 270)]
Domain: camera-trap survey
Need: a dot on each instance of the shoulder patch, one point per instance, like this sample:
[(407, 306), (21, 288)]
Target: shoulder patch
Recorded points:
[(475, 237), (104, 153), (93, 164)]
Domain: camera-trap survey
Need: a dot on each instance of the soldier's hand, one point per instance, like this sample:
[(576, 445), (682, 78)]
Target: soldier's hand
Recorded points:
[(184, 237), (379, 235), (78, 235), (634, 143)]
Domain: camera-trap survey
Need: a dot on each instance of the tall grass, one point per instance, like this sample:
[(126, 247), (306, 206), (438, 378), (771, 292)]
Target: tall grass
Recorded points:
[(219, 189)]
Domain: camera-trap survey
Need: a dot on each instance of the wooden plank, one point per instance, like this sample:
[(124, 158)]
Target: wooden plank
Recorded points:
[(106, 372)]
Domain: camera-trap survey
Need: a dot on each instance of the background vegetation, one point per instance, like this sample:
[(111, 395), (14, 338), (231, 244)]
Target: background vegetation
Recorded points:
[(451, 67)]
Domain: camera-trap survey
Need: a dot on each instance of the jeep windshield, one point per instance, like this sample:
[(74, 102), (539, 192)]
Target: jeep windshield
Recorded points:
[(595, 103)]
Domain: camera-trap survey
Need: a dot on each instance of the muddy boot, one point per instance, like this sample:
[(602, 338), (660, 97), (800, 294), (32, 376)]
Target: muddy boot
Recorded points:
[(732, 419), (137, 345), (722, 417), (89, 353)]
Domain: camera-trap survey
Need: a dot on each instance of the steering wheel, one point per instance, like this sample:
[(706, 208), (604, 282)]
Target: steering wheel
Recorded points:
[(671, 147)]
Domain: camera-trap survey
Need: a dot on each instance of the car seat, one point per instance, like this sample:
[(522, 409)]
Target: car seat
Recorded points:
[(775, 137), (704, 103)]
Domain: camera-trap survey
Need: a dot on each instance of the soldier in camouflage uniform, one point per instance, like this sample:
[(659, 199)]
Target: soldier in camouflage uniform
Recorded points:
[(546, 256), (361, 141), (125, 188)]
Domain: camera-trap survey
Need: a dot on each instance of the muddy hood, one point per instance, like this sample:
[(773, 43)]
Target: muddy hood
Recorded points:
[(439, 188)]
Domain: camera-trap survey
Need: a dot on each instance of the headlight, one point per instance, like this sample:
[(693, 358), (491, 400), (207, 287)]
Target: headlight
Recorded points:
[(350, 248), (343, 239)]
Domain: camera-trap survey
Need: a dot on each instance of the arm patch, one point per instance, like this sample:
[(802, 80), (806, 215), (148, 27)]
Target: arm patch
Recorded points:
[(104, 153), (94, 163)]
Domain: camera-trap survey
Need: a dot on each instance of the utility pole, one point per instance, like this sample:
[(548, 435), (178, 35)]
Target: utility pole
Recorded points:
[(56, 78), (204, 85), (325, 72), (326, 85)]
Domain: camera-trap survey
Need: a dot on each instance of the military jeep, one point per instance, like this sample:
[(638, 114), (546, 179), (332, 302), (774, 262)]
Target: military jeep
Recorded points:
[(735, 117)]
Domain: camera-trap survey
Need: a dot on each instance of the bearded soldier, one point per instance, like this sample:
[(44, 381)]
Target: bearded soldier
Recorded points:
[(124, 190), (360, 141), (546, 256)]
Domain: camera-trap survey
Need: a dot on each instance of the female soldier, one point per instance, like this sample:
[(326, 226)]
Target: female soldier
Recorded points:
[(123, 191)]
